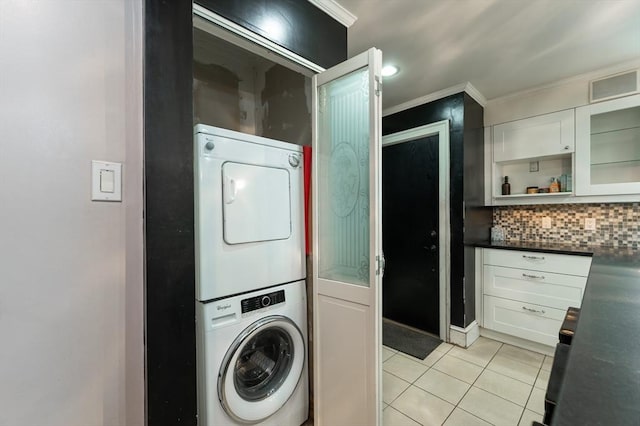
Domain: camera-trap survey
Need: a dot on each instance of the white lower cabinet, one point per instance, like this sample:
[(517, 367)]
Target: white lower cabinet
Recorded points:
[(526, 294), (543, 288), (521, 319)]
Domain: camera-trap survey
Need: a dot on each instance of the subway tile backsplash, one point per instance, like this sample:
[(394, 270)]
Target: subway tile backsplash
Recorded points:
[(617, 225)]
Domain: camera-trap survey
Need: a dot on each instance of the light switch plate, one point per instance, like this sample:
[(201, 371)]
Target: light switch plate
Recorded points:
[(106, 181), (546, 222)]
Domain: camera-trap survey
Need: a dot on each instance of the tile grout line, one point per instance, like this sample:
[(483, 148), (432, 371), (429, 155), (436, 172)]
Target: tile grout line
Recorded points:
[(533, 386), (524, 407), (519, 362), (531, 393), (465, 394), (418, 387), (471, 414), (484, 368)]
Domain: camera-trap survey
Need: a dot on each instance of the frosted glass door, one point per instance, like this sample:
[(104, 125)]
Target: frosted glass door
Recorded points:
[(343, 179), (347, 239)]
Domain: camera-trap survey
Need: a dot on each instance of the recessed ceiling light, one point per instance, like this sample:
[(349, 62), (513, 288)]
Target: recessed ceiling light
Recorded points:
[(389, 70)]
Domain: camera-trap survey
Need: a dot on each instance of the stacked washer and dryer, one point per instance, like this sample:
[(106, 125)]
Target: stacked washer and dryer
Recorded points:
[(251, 310)]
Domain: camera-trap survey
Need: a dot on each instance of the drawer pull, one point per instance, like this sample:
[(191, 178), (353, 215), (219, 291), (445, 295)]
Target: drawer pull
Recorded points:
[(533, 277), (533, 257), (533, 310)]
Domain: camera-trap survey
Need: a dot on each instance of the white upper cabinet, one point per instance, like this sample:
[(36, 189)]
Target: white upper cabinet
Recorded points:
[(608, 147), (532, 152), (540, 136)]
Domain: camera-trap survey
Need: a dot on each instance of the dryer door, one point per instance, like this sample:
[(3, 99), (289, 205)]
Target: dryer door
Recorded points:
[(256, 203), (261, 369)]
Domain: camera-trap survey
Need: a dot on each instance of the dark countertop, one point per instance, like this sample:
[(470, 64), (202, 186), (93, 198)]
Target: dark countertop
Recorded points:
[(538, 246), (602, 380)]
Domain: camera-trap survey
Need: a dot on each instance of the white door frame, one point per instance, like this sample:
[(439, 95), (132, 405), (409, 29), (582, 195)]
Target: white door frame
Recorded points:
[(440, 128)]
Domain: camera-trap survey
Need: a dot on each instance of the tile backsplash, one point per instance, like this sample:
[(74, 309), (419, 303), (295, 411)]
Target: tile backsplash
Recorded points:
[(617, 225)]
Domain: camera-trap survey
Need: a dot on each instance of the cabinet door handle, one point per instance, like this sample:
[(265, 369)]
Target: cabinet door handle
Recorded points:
[(533, 277), (566, 147), (533, 257), (533, 310)]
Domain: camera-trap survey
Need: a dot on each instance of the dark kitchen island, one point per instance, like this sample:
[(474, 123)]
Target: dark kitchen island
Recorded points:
[(601, 385)]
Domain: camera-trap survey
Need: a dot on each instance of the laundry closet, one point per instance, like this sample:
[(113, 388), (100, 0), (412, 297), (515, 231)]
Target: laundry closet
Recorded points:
[(251, 116), (241, 90), (251, 107)]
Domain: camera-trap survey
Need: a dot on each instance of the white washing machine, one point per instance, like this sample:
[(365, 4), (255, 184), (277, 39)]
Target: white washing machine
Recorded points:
[(252, 358), (249, 212)]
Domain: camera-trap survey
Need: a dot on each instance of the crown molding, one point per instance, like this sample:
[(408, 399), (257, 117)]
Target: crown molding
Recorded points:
[(336, 11), (462, 87), (475, 94)]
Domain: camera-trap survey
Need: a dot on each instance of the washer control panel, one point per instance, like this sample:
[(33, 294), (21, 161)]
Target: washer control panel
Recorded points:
[(262, 301)]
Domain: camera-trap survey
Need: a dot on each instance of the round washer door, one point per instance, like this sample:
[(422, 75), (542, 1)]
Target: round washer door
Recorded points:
[(261, 369)]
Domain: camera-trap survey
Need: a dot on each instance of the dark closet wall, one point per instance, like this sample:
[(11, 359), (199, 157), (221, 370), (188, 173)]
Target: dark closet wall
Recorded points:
[(306, 30), (168, 138), (465, 116)]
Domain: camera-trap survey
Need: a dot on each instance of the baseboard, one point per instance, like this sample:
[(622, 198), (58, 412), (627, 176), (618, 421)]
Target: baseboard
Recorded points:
[(464, 337), (517, 341)]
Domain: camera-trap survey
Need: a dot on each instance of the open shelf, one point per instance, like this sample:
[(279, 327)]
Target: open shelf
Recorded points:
[(543, 195), (523, 174)]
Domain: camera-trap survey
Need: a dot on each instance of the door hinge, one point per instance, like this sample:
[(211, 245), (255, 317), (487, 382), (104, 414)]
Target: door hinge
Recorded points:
[(380, 263), (378, 85)]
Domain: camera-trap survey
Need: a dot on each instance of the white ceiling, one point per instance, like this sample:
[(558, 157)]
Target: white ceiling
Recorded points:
[(499, 46)]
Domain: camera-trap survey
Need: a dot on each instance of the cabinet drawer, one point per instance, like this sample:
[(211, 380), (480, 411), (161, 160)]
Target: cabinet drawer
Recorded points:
[(547, 262), (542, 288), (525, 320)]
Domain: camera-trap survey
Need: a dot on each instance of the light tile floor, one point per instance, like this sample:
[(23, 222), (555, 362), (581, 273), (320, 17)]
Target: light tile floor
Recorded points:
[(489, 383)]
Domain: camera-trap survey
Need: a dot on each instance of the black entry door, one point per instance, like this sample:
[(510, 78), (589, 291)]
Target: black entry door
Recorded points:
[(410, 229)]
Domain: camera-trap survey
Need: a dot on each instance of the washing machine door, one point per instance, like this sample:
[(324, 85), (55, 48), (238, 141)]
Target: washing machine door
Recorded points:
[(261, 369)]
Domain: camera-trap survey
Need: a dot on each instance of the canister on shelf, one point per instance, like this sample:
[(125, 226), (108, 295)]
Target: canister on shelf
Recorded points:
[(554, 186)]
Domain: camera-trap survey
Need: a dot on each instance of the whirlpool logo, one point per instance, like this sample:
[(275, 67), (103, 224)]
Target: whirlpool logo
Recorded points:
[(223, 307)]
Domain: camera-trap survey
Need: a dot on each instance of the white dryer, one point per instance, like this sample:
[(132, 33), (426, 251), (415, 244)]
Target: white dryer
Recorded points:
[(249, 212), (252, 358)]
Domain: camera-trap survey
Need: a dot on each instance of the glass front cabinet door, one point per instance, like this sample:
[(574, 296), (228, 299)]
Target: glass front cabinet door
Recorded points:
[(608, 147)]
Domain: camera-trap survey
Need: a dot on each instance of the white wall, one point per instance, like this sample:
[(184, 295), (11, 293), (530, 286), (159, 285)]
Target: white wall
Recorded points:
[(566, 94), (70, 269)]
